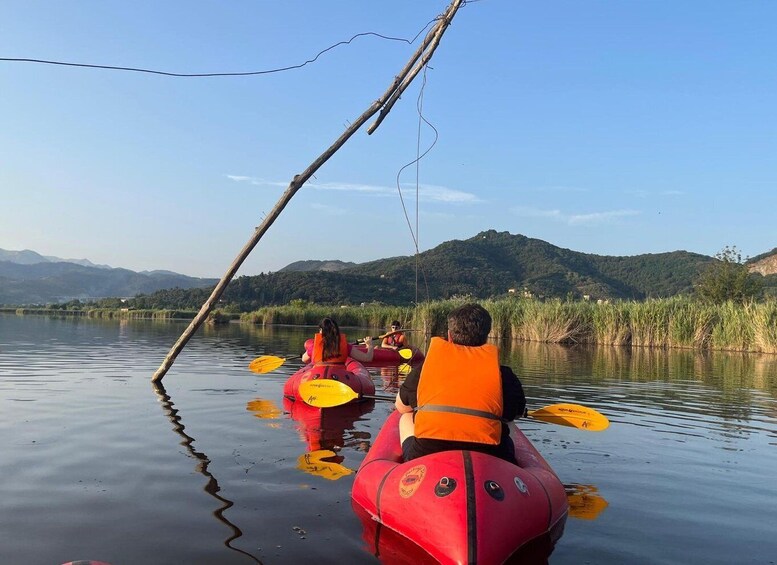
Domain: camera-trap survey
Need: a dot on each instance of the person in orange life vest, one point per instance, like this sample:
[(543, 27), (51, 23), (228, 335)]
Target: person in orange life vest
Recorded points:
[(460, 398), (395, 340), (331, 346)]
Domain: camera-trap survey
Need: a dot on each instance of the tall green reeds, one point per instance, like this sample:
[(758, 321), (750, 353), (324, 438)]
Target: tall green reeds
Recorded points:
[(678, 322), (764, 318), (610, 324), (554, 321)]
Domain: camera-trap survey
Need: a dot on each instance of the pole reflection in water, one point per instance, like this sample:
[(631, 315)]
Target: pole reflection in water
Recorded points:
[(212, 486)]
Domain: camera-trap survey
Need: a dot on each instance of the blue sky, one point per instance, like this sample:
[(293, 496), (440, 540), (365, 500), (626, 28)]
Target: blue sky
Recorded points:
[(607, 127)]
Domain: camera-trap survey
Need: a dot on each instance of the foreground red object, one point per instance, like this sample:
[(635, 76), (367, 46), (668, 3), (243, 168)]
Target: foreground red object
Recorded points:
[(352, 373), (462, 506)]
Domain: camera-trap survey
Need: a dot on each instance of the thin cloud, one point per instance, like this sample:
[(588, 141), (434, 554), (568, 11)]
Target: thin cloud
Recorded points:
[(426, 192), (556, 189), (592, 218), (647, 194), (255, 181)]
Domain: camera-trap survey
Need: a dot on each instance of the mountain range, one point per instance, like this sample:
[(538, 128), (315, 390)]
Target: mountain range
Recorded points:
[(27, 277), (489, 264)]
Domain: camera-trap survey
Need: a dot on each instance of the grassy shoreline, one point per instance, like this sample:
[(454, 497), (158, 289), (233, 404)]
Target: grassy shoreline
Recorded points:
[(664, 323)]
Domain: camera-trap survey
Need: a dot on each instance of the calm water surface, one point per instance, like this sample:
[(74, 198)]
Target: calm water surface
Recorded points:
[(98, 464)]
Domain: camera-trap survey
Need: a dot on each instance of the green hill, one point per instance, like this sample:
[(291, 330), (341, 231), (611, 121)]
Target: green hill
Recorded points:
[(487, 265)]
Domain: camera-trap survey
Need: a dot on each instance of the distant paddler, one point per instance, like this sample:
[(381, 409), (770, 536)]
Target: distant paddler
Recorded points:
[(331, 346)]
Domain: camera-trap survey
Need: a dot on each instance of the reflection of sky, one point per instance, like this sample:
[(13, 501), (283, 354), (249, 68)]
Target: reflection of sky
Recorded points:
[(686, 465)]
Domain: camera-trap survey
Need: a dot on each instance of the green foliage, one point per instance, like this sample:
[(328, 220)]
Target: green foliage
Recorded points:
[(728, 279), (483, 267)]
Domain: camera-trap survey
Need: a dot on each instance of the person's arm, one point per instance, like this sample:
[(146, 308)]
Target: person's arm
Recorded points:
[(305, 357), (514, 399), (385, 344), (407, 397), (365, 356), (401, 407)]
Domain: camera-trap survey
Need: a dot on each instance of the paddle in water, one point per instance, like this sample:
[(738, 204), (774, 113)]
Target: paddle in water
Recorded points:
[(327, 393), (266, 363)]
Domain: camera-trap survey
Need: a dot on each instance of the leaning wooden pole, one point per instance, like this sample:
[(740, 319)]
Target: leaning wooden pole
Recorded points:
[(400, 83)]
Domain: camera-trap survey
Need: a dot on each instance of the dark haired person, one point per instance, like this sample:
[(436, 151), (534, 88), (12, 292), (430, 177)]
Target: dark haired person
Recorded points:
[(331, 346), (461, 397), (395, 340)]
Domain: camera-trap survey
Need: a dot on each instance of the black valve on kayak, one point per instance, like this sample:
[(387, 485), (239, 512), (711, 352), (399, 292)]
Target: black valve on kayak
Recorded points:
[(445, 486), (494, 490)]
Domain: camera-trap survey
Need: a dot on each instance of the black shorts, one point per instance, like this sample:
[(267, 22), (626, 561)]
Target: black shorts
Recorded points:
[(413, 448)]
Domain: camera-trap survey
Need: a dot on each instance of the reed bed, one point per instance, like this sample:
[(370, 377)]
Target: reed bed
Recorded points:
[(368, 316), (679, 322), (764, 319)]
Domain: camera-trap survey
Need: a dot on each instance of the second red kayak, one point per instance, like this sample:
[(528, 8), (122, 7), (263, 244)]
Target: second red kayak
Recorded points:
[(353, 374)]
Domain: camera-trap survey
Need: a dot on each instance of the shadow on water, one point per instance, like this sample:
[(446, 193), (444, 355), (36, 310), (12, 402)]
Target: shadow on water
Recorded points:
[(212, 486)]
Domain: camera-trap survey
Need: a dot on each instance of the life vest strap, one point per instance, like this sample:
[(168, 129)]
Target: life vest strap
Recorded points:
[(459, 410)]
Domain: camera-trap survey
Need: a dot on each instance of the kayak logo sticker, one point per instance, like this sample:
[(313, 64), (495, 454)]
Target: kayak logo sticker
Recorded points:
[(411, 480)]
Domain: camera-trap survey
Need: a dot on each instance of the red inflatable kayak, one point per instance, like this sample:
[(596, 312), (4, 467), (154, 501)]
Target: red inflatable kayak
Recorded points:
[(461, 506), (388, 356), (353, 373)]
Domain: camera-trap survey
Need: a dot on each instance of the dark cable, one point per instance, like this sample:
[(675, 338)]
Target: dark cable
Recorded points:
[(247, 73)]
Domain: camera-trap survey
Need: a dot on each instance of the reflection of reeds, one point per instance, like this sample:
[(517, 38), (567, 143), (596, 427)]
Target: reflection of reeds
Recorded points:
[(732, 372)]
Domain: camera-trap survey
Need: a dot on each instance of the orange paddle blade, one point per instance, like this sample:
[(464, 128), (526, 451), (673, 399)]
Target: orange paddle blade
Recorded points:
[(326, 393), (405, 353), (574, 415), (266, 363)]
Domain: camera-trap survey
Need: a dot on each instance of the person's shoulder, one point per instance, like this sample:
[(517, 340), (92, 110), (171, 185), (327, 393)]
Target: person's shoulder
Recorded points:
[(507, 372)]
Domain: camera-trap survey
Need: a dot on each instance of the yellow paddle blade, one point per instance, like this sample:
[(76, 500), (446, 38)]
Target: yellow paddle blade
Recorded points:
[(312, 464), (573, 415), (405, 353), (404, 369), (265, 409), (585, 502), (325, 393), (266, 363)]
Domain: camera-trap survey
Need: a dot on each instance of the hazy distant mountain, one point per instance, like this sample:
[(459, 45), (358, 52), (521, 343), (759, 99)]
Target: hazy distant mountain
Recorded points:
[(313, 265), (34, 279), (29, 257)]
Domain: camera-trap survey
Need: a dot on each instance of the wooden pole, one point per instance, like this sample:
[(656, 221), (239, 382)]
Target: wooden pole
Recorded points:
[(400, 83)]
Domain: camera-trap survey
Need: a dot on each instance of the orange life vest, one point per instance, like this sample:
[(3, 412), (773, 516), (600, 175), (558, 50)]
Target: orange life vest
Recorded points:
[(460, 394), (318, 350), (396, 339)]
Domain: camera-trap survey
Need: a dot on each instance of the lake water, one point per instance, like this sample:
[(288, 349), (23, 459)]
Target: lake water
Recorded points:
[(98, 464)]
